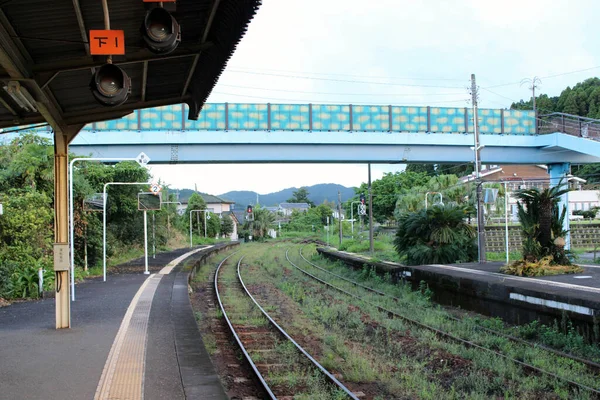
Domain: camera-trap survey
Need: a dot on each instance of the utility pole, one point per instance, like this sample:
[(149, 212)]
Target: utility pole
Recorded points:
[(533, 84), (340, 214), (371, 248), (477, 149)]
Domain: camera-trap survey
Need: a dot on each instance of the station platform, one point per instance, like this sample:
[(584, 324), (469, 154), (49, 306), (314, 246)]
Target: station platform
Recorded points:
[(132, 337), (482, 288)]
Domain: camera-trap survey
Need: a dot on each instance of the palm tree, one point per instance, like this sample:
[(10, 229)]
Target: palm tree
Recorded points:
[(538, 213), (263, 219), (436, 235)]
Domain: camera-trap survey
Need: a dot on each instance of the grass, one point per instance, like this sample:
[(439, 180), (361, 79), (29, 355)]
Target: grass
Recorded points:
[(364, 345), (434, 316)]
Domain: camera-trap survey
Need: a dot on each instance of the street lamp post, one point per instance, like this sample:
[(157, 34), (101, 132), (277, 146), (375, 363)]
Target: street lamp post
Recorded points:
[(142, 159), (191, 211), (352, 216), (104, 198)]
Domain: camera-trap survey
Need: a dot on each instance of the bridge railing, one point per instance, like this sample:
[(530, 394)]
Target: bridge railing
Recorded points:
[(324, 117), (570, 124)]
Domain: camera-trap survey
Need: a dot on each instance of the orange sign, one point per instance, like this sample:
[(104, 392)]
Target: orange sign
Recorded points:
[(103, 42)]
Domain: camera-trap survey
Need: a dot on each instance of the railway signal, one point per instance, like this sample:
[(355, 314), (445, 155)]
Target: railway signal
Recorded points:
[(362, 199)]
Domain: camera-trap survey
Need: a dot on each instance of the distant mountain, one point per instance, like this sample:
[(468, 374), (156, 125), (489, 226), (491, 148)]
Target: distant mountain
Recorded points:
[(317, 194)]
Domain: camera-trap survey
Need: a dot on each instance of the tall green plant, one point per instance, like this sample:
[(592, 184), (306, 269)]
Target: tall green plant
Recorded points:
[(436, 235), (542, 222)]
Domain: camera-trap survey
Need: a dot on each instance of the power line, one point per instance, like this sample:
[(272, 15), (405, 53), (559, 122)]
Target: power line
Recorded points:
[(342, 80), (341, 94), (348, 75), (306, 101)]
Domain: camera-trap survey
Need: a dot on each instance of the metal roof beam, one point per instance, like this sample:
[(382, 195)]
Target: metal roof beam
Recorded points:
[(118, 112), (80, 63), (209, 22), (15, 62)]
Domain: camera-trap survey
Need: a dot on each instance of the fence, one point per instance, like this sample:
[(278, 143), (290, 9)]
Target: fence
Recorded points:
[(582, 236)]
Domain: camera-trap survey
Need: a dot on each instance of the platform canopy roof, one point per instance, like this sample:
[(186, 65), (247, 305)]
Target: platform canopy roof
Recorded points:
[(44, 46)]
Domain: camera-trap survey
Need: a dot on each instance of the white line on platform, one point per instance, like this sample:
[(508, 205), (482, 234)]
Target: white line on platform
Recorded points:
[(167, 270), (518, 278), (552, 304), (589, 266)]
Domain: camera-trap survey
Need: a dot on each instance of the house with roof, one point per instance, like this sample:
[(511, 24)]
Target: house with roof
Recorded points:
[(216, 205), (287, 208), (520, 176), (529, 176)]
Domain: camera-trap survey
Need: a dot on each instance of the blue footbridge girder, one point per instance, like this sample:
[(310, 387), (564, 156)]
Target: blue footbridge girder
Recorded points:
[(197, 147)]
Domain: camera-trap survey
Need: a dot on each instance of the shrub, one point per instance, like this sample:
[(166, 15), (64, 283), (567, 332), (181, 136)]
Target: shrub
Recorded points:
[(435, 235)]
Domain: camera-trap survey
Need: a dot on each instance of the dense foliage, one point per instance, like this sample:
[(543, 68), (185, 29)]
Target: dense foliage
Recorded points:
[(437, 235), (386, 192), (27, 224)]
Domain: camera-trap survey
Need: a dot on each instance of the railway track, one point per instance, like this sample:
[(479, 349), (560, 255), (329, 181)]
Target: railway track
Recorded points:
[(593, 392), (271, 352), (591, 365)]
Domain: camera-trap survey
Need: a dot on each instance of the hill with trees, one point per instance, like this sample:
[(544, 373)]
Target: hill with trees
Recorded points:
[(317, 194)]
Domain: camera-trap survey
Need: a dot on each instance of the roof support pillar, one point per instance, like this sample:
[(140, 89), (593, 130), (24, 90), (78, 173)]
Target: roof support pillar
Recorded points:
[(559, 176), (61, 220)]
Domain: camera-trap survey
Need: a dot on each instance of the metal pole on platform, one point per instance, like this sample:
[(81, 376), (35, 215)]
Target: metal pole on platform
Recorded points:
[(340, 215), (146, 272), (153, 235), (506, 220), (371, 247), (477, 149), (104, 201), (71, 222)]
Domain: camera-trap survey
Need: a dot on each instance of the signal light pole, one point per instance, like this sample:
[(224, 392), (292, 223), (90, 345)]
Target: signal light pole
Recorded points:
[(477, 149)]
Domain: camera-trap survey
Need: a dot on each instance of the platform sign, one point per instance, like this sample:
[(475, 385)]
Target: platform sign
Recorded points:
[(149, 201), (155, 188), (362, 209), (142, 159), (107, 42)]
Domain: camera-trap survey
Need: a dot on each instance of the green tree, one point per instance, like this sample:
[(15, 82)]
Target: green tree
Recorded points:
[(301, 196), (196, 202), (226, 225), (387, 190), (428, 169), (437, 235), (263, 219)]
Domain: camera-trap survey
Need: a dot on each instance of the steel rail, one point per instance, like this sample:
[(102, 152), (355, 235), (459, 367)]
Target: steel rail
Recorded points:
[(448, 335), (237, 338), (590, 364), (300, 348)]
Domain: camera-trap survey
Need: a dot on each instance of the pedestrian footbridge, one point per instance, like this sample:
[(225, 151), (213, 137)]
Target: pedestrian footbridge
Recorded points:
[(342, 133)]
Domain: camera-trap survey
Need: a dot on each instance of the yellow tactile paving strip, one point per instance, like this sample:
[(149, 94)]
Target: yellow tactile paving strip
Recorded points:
[(123, 374)]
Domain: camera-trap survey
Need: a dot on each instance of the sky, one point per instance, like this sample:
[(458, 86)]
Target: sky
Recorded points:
[(400, 52)]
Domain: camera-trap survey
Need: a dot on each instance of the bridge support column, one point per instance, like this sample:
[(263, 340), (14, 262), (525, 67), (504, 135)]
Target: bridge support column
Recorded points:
[(558, 176), (62, 137)]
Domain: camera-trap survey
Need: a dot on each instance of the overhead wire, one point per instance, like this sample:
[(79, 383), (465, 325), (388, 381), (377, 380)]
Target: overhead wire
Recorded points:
[(315, 101), (350, 75), (339, 93), (344, 80)]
